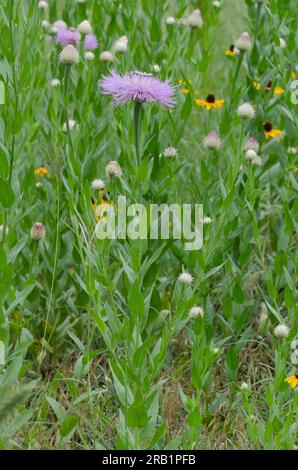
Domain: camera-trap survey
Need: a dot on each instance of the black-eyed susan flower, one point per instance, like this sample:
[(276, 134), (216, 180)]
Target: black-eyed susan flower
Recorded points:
[(270, 132), (231, 52), (293, 380), (41, 171), (278, 90), (210, 103)]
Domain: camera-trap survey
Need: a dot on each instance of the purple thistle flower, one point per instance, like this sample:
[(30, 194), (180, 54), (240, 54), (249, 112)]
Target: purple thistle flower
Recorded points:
[(68, 36), (91, 42), (137, 86)]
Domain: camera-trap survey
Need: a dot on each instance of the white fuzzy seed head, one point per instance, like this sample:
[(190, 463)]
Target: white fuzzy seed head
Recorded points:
[(170, 20), (243, 43), (252, 144), (106, 56), (212, 141), (98, 184), (85, 27), (244, 386), (113, 169), (257, 161), (216, 4), (281, 331), (246, 111), (69, 55), (121, 44), (250, 155), (43, 5), (38, 231), (45, 24), (71, 123), (195, 19), (170, 152), (207, 220), (196, 311), (89, 56), (60, 24), (185, 278), (55, 82)]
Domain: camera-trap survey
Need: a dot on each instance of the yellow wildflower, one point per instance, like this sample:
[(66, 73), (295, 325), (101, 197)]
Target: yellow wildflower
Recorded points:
[(278, 90), (270, 132), (293, 380), (41, 171), (210, 103), (231, 51)]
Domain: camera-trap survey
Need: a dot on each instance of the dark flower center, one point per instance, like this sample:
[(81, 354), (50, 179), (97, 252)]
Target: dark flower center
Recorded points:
[(296, 375), (232, 47), (268, 126), (210, 99), (269, 84)]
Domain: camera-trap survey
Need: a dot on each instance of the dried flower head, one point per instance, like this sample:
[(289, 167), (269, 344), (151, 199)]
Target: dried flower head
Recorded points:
[(243, 43), (246, 111), (212, 141), (69, 55), (38, 231), (207, 220), (137, 86), (185, 278), (113, 169)]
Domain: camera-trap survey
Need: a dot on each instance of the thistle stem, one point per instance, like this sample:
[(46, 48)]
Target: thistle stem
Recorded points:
[(137, 129)]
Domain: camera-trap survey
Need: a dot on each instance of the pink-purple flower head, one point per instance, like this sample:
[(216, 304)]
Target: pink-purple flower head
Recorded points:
[(137, 86), (91, 42), (68, 36)]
